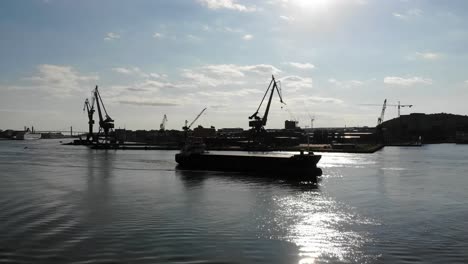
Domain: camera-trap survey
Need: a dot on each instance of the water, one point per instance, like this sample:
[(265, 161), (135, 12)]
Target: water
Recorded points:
[(68, 204)]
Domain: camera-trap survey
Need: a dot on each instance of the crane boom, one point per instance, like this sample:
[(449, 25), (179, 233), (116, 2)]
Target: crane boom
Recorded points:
[(89, 107), (398, 106), (196, 118), (381, 118), (106, 124), (259, 122), (193, 122)]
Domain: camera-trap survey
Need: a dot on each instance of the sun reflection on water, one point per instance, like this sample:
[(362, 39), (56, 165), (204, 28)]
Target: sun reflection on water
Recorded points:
[(319, 226), (331, 160)]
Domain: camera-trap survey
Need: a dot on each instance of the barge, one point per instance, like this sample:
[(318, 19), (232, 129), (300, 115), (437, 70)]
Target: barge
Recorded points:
[(301, 166)]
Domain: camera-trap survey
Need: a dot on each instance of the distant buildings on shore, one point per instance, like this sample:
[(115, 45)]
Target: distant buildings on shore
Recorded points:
[(28, 133), (430, 128)]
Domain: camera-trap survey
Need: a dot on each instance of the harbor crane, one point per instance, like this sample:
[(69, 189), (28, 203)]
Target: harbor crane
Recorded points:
[(89, 108), (312, 119), (258, 123), (162, 126), (106, 125), (398, 106), (381, 118), (186, 128)]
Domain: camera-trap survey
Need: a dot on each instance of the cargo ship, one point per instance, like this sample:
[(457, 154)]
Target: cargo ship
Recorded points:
[(301, 166), (26, 135)]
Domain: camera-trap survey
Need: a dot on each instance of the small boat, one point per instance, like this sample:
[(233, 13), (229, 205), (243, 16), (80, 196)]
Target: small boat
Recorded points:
[(301, 166)]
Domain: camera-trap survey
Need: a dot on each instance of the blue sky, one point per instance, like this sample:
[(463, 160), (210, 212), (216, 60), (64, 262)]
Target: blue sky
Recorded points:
[(176, 57)]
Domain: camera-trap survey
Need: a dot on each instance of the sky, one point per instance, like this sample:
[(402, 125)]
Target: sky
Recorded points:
[(156, 57)]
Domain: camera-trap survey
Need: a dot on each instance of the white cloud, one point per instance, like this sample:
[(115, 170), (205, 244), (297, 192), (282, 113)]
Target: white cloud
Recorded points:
[(347, 84), (328, 100), (59, 80), (232, 30), (230, 94), (122, 70), (193, 37), (135, 71), (411, 13), (316, 100), (158, 35), (226, 4), (111, 36), (287, 18), (159, 84), (394, 80), (466, 82), (149, 102), (224, 29), (294, 83), (223, 74), (157, 75), (200, 78), (227, 76), (225, 70), (261, 69), (428, 55), (247, 37), (302, 66)]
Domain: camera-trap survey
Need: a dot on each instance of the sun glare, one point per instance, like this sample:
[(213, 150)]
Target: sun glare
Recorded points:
[(312, 4)]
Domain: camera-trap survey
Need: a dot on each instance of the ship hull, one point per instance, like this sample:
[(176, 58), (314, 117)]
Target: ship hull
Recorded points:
[(296, 166)]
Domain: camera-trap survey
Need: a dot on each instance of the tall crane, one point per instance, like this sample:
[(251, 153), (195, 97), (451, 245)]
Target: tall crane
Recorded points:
[(312, 119), (162, 126), (398, 106), (381, 118), (106, 124), (89, 108), (258, 123), (257, 131), (186, 128)]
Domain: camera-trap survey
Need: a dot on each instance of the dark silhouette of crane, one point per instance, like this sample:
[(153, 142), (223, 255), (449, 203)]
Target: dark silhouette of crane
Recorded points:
[(257, 135), (162, 126), (106, 124), (400, 106), (89, 108), (186, 128), (382, 114), (380, 120)]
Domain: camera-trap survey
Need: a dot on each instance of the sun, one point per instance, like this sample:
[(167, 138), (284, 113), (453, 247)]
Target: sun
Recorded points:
[(312, 4)]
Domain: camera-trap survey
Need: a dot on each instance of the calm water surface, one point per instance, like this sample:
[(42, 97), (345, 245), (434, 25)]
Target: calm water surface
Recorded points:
[(68, 204)]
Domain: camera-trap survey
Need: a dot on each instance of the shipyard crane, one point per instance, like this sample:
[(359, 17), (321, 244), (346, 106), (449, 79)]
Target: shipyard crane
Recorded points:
[(312, 119), (162, 126), (89, 108), (106, 124), (257, 131), (258, 123), (186, 128), (398, 106), (381, 118)]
